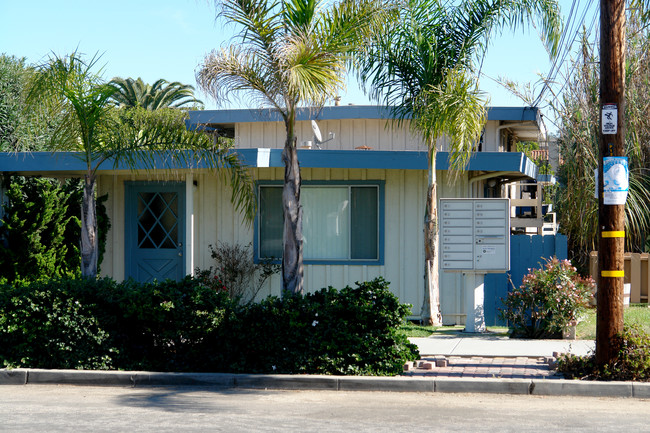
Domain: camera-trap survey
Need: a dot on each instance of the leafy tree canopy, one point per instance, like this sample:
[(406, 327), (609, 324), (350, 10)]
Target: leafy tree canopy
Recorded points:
[(21, 127)]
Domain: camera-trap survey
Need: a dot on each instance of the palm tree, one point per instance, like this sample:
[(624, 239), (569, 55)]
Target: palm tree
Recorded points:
[(424, 67), (290, 53), (161, 94), (97, 130)]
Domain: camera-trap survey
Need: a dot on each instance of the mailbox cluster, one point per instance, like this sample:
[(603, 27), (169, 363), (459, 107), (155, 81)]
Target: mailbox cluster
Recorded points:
[(475, 234)]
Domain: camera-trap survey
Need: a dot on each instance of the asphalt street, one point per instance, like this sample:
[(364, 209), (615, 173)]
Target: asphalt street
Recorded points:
[(58, 408)]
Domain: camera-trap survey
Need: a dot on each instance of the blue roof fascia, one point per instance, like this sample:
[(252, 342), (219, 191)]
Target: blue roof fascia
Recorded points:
[(220, 117), (51, 163), (521, 114), (225, 117), (20, 162), (54, 162), (396, 160)]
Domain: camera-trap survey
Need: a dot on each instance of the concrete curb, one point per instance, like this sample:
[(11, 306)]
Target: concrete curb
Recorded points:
[(541, 387)]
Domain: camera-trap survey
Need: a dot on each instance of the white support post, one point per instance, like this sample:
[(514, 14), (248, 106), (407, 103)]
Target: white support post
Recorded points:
[(474, 301), (189, 224)]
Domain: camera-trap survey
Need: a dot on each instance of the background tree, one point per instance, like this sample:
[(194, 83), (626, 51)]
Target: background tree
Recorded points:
[(424, 66), (161, 94), (21, 127), (579, 112), (40, 228), (289, 54), (99, 132)]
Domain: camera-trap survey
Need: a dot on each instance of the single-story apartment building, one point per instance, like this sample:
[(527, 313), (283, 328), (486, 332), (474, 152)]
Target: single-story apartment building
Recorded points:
[(363, 197)]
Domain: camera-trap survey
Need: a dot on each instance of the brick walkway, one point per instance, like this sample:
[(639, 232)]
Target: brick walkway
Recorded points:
[(485, 367)]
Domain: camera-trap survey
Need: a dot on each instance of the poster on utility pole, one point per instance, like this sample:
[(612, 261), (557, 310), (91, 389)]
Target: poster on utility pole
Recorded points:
[(615, 180), (609, 119)]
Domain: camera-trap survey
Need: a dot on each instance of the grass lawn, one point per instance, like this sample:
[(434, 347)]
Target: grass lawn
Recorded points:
[(635, 314), (586, 330), (415, 330)]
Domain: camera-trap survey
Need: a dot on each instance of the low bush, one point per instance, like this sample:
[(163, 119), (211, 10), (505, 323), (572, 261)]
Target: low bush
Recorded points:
[(44, 325), (632, 360), (547, 301), (189, 326), (76, 323), (351, 331)]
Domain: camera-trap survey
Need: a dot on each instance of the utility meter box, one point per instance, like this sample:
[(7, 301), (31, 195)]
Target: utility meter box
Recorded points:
[(475, 234)]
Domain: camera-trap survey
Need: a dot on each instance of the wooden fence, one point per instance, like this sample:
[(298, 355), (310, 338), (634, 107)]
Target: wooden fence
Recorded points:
[(637, 271)]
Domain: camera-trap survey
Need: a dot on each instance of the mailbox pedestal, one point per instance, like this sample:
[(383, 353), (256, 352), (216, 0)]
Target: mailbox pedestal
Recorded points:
[(475, 240), (474, 301)]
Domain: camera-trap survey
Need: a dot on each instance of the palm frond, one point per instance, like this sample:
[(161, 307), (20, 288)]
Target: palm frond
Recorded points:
[(159, 139), (457, 109), (231, 71), (161, 94)]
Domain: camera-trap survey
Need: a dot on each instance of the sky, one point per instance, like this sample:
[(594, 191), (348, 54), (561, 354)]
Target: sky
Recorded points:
[(170, 38)]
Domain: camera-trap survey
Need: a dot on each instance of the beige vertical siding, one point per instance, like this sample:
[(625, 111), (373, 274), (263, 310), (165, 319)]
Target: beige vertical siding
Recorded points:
[(348, 134), (216, 221)]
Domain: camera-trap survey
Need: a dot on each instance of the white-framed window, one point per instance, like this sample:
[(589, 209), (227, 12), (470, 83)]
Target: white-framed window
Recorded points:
[(342, 222)]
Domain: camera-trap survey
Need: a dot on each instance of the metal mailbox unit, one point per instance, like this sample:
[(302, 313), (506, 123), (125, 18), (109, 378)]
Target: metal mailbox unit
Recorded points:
[(475, 234), (475, 240)]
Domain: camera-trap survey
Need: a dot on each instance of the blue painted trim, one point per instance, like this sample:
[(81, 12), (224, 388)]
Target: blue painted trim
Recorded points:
[(521, 114), (230, 117), (393, 160), (51, 163), (381, 184), (55, 162)]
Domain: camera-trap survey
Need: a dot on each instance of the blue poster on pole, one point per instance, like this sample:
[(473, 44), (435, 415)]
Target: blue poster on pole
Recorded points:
[(615, 180)]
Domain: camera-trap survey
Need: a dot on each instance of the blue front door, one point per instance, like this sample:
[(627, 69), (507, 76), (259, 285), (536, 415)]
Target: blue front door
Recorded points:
[(155, 231)]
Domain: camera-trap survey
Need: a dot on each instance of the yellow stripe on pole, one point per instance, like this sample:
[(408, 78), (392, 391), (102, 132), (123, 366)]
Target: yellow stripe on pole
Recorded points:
[(613, 274), (614, 234)]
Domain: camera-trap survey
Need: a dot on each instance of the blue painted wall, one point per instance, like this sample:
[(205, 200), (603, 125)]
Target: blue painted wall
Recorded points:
[(525, 252)]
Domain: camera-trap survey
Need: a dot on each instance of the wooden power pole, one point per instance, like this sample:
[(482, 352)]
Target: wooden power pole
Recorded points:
[(611, 213)]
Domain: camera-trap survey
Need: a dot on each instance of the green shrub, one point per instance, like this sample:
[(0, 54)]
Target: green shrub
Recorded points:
[(40, 228), (547, 301), (351, 331), (44, 325), (632, 360), (189, 326), (170, 326), (78, 323)]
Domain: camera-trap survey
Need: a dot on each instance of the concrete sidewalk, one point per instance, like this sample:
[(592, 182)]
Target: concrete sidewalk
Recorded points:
[(491, 345)]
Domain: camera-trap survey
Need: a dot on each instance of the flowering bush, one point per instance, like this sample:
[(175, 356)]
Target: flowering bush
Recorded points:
[(547, 301)]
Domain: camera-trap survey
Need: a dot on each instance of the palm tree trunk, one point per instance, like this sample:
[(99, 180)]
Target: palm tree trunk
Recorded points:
[(89, 250), (430, 314), (292, 270)]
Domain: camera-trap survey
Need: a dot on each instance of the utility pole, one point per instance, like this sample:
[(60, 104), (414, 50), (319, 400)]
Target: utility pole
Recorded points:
[(612, 164)]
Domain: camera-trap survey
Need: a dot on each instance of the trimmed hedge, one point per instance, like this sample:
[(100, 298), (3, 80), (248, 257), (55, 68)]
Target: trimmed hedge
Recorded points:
[(186, 326)]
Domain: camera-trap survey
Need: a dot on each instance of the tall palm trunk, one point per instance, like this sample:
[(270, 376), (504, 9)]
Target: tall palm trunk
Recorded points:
[(431, 304), (292, 270), (89, 250)]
